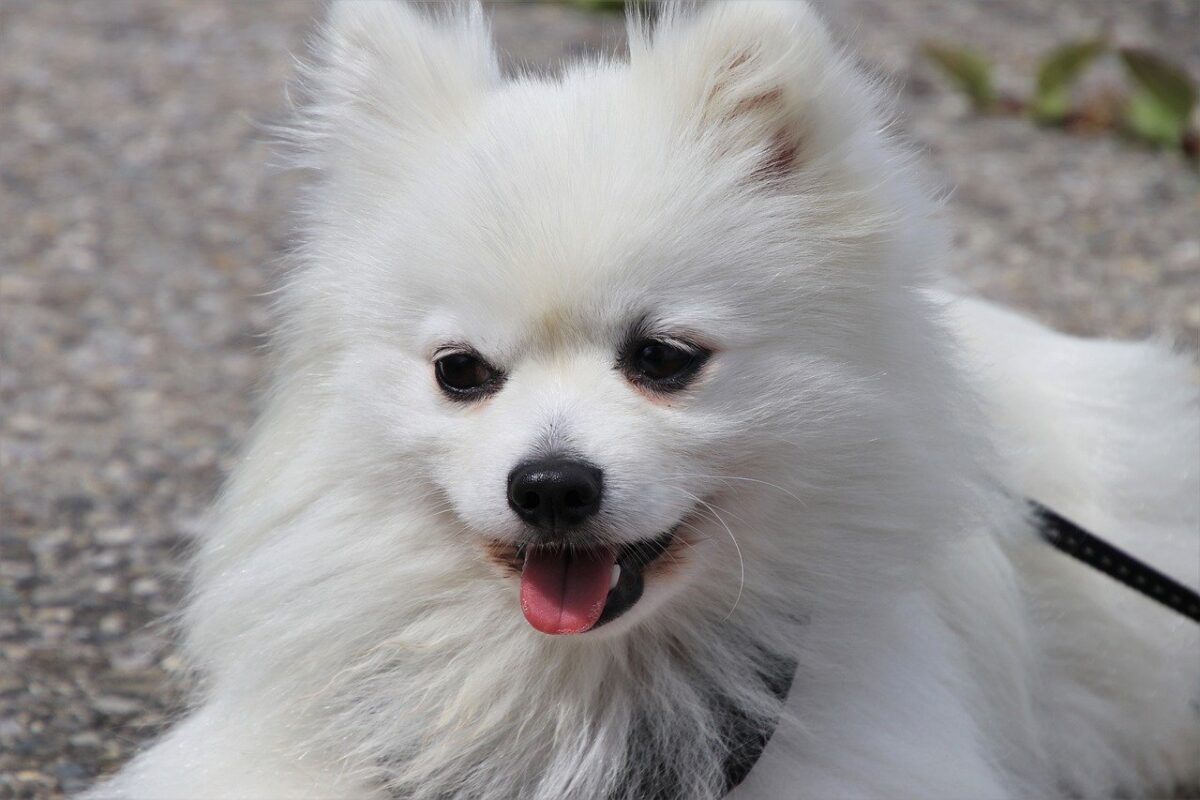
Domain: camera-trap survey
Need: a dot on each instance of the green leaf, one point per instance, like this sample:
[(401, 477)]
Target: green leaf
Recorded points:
[(1163, 98), (1058, 72), (968, 68)]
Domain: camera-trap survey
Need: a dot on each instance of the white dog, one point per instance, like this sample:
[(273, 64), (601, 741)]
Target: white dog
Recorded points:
[(654, 354)]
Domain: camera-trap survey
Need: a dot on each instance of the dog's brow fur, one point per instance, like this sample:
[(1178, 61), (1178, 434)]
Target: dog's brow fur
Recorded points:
[(556, 328)]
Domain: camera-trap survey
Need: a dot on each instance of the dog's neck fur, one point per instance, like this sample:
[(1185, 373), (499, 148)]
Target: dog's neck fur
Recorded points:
[(631, 720), (689, 735)]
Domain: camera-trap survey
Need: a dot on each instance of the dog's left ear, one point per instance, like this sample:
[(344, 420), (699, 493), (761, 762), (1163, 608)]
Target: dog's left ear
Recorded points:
[(760, 79), (389, 75)]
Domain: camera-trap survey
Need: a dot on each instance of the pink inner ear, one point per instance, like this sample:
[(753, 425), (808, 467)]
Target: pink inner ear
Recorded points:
[(781, 155), (781, 158), (784, 144)]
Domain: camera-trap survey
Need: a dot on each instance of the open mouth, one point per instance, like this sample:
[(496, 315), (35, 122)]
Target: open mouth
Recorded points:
[(573, 590)]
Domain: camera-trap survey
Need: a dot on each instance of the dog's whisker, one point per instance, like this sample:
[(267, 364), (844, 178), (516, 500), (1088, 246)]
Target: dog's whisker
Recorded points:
[(741, 560), (727, 478)]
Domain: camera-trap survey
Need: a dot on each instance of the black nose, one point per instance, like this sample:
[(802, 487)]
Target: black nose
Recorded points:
[(554, 493)]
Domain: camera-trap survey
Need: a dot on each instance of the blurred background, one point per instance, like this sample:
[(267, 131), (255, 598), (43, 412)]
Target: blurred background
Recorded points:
[(141, 226)]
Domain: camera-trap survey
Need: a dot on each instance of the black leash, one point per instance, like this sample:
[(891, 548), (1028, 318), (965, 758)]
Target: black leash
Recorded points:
[(1073, 540)]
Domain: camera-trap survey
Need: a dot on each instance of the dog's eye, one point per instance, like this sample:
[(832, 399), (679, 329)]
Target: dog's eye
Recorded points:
[(466, 376), (664, 366)]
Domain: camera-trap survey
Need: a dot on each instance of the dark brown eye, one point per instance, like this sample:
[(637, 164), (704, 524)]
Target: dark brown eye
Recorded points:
[(664, 366), (466, 376)]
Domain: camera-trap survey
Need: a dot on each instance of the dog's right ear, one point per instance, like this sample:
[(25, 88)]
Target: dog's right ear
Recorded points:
[(761, 77), (386, 76)]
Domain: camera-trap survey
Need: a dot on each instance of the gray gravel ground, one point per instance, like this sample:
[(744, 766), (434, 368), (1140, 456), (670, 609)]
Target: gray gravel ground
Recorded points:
[(140, 227)]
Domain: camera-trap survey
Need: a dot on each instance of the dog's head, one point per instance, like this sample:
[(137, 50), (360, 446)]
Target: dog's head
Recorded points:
[(616, 332)]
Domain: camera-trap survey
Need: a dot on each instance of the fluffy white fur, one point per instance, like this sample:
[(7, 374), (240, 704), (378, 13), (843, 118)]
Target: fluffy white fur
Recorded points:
[(849, 465)]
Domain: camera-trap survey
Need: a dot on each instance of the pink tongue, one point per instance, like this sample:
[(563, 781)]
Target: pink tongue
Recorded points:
[(564, 592)]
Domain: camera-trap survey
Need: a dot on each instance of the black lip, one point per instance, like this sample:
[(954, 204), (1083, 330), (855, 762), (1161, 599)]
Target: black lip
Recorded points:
[(633, 559)]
